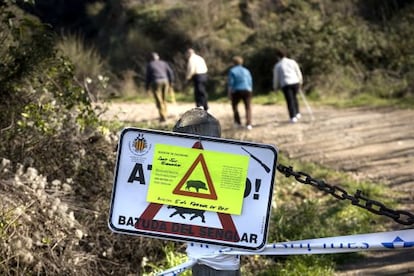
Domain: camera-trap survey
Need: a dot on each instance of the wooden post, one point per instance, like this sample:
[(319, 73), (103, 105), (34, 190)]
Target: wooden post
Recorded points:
[(198, 121)]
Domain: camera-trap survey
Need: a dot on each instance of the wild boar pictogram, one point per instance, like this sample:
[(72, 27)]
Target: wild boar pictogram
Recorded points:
[(182, 210), (196, 184)]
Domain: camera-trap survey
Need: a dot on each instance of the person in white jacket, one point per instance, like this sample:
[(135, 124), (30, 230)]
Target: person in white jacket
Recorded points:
[(197, 72), (287, 76)]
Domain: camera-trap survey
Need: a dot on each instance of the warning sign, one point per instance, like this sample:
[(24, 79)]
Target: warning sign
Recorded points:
[(193, 188), (198, 179)]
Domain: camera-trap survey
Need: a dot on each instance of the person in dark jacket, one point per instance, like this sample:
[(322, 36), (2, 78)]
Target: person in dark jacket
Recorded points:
[(159, 77)]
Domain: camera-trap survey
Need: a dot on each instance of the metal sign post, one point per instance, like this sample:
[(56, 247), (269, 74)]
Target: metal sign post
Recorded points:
[(193, 188)]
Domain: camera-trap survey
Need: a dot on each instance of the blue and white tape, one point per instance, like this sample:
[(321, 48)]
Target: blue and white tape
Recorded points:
[(393, 240)]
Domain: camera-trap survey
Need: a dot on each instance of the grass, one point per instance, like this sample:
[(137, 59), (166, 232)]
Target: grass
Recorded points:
[(361, 100), (172, 259), (277, 98)]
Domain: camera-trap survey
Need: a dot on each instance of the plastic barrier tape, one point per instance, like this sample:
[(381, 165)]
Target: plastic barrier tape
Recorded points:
[(402, 239)]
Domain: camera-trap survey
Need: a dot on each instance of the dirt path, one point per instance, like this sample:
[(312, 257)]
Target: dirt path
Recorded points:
[(375, 144)]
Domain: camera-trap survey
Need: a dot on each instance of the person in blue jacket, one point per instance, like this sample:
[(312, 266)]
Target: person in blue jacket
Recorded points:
[(240, 88)]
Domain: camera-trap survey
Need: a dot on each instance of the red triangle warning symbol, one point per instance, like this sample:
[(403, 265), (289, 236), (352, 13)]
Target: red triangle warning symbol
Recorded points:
[(191, 185), (227, 233)]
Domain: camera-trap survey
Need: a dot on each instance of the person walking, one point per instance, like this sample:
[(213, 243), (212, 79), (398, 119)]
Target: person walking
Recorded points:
[(288, 77), (159, 77), (240, 88), (197, 72)]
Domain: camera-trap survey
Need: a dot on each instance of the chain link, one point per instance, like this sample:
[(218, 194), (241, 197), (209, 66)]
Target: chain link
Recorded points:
[(376, 207)]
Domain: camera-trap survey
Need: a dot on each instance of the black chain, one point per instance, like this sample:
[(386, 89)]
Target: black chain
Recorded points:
[(399, 216)]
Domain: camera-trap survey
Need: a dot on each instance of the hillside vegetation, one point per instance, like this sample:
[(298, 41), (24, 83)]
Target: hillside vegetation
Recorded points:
[(345, 48), (58, 57)]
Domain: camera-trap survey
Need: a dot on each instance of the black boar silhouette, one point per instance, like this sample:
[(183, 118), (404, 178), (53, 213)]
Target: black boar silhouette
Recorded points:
[(182, 210), (196, 184)]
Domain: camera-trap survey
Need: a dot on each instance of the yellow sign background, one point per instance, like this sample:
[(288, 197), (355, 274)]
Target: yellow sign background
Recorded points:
[(171, 164)]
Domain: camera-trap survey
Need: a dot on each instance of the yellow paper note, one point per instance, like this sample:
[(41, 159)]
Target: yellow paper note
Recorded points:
[(198, 179)]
